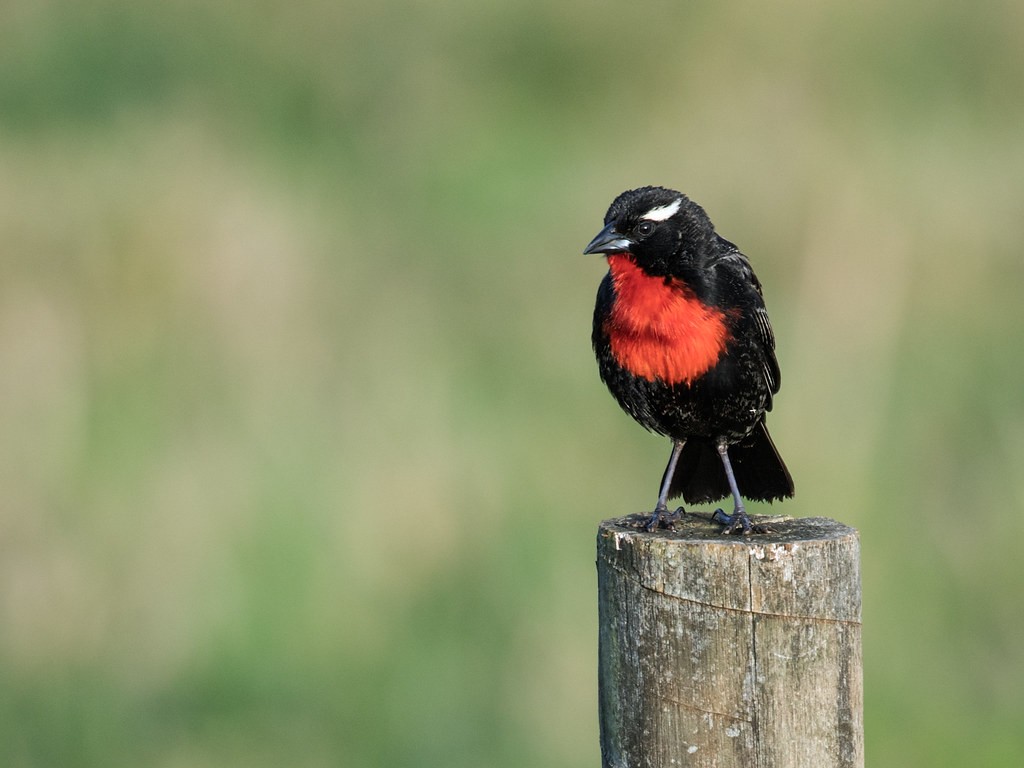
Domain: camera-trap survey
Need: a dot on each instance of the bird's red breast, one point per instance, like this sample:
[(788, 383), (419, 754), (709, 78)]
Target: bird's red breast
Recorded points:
[(658, 329)]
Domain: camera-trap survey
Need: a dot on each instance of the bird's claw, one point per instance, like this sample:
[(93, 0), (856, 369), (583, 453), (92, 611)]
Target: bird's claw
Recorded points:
[(737, 523), (662, 518)]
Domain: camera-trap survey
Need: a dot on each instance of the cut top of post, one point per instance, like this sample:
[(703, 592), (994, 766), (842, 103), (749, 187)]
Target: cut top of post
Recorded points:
[(804, 567)]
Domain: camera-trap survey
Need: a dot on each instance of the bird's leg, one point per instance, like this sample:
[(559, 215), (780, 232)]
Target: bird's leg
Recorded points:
[(661, 514), (737, 522)]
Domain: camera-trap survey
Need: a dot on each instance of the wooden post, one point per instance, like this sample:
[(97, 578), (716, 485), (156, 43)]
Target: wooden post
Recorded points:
[(730, 651)]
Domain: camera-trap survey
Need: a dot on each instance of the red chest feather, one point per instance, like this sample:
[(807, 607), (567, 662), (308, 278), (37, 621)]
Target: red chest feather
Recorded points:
[(661, 331)]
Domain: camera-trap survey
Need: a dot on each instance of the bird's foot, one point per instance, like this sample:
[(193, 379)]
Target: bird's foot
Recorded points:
[(738, 522), (662, 518)]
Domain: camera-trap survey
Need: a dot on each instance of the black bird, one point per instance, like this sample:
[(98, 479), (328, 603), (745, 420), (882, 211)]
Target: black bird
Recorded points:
[(684, 344)]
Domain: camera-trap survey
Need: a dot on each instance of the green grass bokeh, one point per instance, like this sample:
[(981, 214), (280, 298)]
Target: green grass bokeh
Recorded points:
[(303, 445)]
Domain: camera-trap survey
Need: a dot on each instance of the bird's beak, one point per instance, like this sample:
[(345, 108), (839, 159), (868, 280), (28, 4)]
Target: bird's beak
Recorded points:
[(608, 240)]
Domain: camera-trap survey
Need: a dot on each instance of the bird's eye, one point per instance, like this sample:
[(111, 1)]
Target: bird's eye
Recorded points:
[(645, 228)]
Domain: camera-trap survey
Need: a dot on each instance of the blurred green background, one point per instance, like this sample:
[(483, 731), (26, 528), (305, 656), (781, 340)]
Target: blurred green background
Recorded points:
[(303, 446)]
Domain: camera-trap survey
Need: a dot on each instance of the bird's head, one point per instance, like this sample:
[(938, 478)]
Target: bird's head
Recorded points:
[(661, 229)]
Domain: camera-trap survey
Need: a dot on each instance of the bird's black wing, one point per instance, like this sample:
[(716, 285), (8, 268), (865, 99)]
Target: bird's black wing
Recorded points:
[(736, 262)]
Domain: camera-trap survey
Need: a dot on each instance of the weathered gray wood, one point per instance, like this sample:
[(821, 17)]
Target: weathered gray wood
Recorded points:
[(730, 651)]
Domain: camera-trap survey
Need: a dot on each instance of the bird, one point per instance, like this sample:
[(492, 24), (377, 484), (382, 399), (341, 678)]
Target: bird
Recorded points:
[(684, 344)]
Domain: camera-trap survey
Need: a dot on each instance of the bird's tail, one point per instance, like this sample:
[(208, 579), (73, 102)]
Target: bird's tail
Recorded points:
[(760, 472)]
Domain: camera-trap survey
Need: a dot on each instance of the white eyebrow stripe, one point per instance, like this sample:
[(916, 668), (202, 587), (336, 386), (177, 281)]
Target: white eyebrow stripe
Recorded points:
[(663, 212)]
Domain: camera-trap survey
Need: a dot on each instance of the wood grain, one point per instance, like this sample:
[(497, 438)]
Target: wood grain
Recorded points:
[(729, 650)]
